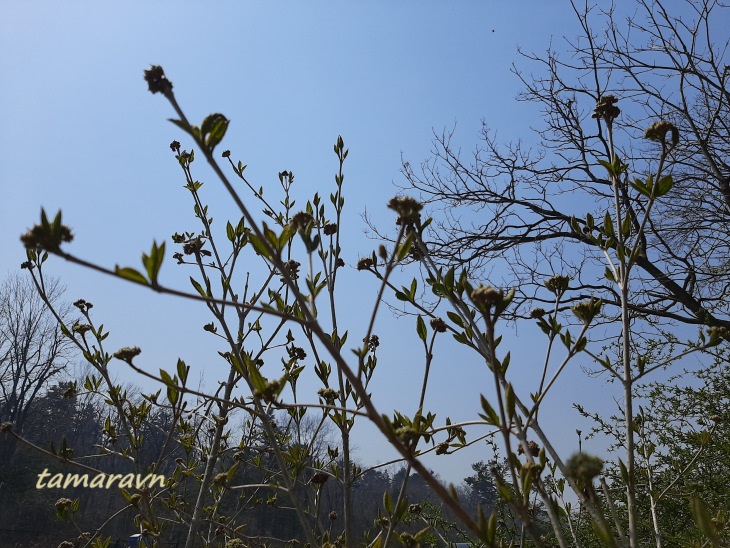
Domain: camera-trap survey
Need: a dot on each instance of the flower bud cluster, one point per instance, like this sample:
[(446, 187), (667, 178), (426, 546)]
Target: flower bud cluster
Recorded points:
[(408, 210), (557, 284), (606, 109), (156, 80)]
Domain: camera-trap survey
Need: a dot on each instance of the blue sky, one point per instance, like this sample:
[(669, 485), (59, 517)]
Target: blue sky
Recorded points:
[(81, 133)]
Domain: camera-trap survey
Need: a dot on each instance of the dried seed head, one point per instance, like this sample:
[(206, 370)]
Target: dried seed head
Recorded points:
[(658, 132), (329, 395), (583, 467), (532, 446), (365, 263), (438, 325), (330, 229), (718, 334), (301, 220), (487, 295), (80, 328), (320, 478), (63, 503), (127, 353), (537, 312)]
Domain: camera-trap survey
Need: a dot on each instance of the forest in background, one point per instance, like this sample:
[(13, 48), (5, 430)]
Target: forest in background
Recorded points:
[(635, 123)]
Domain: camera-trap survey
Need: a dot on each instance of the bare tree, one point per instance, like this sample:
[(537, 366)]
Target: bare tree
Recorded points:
[(33, 351), (513, 204)]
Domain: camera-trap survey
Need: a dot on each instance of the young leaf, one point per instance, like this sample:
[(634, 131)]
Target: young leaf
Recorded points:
[(198, 287), (608, 225), (421, 328), (153, 261), (130, 274), (454, 317), (404, 248), (664, 185), (491, 415), (704, 520)]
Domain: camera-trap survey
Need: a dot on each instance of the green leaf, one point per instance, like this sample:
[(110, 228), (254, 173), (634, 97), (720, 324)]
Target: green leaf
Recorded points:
[(505, 363), (575, 225), (421, 328), (664, 185), (491, 415), (603, 534), (153, 261), (608, 225), (640, 187), (130, 274), (491, 527), (258, 246), (608, 166), (258, 381), (402, 296), (509, 395), (590, 222), (213, 130), (286, 236), (421, 535), (198, 287), (626, 226), (405, 247), (173, 395), (166, 378), (704, 520), (454, 317), (414, 286), (182, 125), (182, 369), (624, 471), (387, 502), (449, 280)]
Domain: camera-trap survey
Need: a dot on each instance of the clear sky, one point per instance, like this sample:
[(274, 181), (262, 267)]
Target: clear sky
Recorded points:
[(81, 133)]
